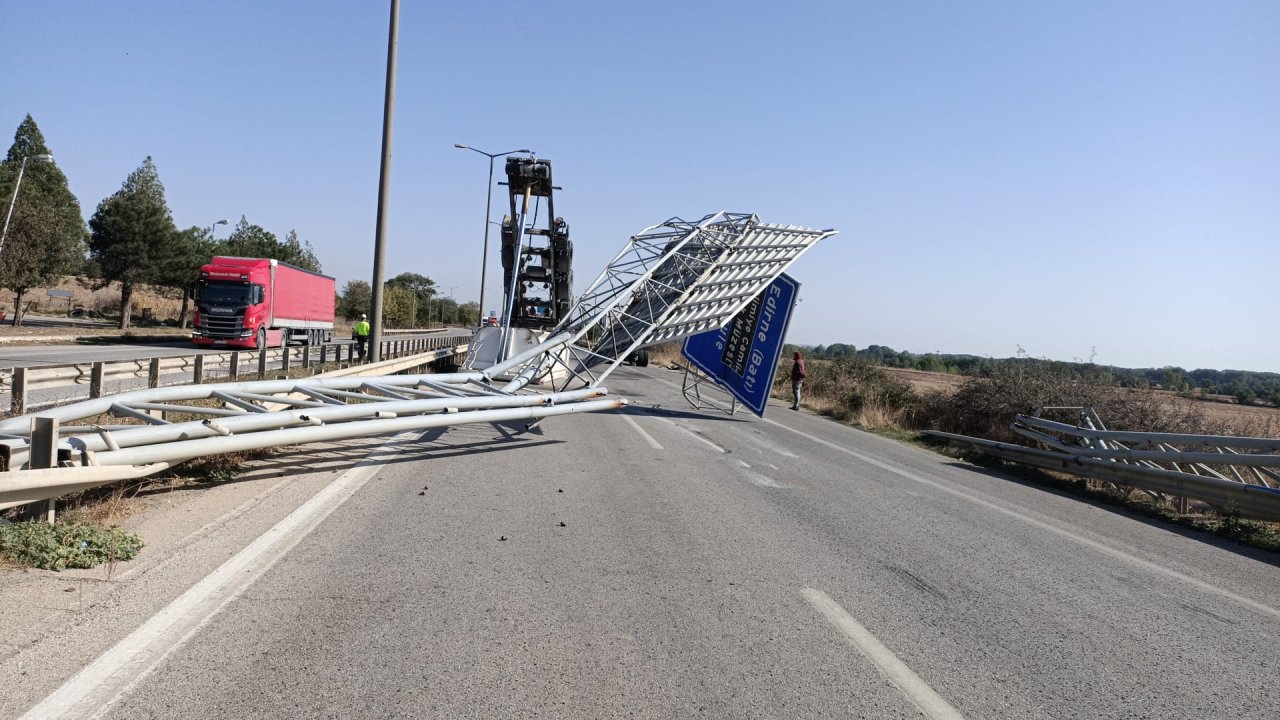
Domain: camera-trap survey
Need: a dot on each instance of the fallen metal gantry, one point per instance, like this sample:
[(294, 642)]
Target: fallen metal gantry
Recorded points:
[(190, 421), (1237, 475), (671, 281)]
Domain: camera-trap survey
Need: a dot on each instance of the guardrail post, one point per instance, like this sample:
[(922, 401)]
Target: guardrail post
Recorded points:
[(262, 364), (197, 372), (95, 380), (324, 354), (44, 452), (153, 373), (306, 356), (233, 367), (284, 358), (18, 398)]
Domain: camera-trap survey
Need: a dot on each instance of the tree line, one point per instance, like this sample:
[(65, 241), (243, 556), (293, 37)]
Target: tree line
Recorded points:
[(131, 238), (1244, 385), (408, 300)]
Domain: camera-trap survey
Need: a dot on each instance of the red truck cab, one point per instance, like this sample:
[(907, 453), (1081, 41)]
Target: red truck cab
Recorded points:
[(259, 303)]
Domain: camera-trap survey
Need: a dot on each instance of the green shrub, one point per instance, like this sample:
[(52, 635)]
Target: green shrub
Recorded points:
[(65, 545)]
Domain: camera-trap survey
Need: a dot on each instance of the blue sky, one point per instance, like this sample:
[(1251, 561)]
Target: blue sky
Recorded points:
[(1060, 176)]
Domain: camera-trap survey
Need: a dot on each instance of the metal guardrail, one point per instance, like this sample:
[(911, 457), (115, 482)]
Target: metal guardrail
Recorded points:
[(71, 448), (196, 368), (1237, 475)]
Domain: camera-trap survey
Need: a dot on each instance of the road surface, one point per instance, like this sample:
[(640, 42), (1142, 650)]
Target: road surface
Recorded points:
[(662, 563)]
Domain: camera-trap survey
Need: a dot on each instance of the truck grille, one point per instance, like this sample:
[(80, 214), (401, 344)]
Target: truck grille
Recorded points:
[(221, 325)]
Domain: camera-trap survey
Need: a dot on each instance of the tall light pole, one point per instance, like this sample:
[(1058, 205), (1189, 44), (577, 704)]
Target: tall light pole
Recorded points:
[(217, 223), (43, 157), (488, 208), (455, 305), (384, 185)]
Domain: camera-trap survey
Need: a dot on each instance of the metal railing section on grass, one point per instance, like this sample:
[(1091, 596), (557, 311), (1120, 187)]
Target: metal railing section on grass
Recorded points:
[(1236, 475)]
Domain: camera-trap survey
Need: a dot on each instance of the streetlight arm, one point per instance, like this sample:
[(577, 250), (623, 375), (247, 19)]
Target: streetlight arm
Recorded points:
[(12, 201), (42, 157), (488, 209), (492, 155)]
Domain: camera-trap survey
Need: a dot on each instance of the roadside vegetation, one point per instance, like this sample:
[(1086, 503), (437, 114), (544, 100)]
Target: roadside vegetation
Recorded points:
[(74, 541), (1241, 386), (87, 532)]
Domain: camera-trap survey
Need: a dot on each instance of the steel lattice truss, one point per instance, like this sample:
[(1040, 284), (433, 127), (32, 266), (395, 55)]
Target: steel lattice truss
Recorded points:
[(173, 424), (671, 281)]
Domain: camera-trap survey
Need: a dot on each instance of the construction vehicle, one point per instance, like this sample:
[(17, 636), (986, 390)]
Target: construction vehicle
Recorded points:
[(537, 265)]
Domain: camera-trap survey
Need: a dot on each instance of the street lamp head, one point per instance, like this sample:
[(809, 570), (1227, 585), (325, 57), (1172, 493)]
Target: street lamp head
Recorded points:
[(223, 222), (461, 147), (43, 157), (525, 150)]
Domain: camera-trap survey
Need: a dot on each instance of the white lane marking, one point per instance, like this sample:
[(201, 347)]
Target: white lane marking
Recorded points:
[(743, 463), (695, 435), (764, 480), (647, 437), (1060, 532), (916, 690), (100, 684)]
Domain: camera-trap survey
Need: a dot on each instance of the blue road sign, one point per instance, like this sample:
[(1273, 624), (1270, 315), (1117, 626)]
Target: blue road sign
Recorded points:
[(743, 355)]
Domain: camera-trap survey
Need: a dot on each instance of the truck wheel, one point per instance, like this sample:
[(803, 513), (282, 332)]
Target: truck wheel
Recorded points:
[(642, 358), (262, 339)]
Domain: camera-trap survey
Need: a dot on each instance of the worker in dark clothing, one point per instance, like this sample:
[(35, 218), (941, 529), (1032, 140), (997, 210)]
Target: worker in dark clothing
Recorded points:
[(360, 333), (797, 379)]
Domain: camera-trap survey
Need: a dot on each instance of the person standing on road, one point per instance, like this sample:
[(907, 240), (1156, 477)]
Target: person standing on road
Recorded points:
[(360, 333), (797, 379)]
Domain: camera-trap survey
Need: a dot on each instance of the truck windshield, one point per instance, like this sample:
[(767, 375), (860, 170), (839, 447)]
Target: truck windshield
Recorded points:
[(218, 292)]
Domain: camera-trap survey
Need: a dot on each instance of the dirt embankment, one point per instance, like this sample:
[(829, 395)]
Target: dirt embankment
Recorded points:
[(148, 301)]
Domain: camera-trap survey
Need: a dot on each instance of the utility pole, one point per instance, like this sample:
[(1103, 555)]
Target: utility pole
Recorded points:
[(384, 186)]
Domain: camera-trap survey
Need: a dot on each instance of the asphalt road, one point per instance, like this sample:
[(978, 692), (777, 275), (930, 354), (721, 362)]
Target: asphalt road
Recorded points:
[(668, 564)]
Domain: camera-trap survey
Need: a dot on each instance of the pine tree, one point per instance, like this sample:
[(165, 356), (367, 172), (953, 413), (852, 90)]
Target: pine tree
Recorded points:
[(248, 240), (301, 253), (46, 236), (134, 238), (192, 248)]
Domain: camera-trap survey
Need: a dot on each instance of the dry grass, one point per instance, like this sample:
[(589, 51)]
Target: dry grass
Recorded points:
[(1219, 412), (163, 303), (665, 354)]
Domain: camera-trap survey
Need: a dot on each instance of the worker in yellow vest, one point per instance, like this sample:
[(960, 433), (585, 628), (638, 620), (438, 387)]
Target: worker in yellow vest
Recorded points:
[(360, 333)]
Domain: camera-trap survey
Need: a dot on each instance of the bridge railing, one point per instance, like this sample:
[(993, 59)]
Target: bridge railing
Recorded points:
[(31, 388)]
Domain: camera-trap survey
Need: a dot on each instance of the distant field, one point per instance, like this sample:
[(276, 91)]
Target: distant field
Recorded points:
[(1216, 407)]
